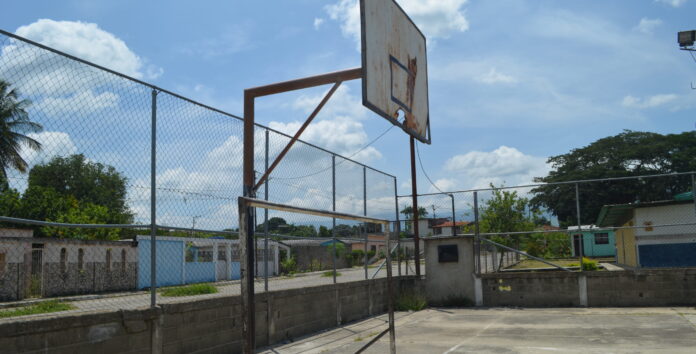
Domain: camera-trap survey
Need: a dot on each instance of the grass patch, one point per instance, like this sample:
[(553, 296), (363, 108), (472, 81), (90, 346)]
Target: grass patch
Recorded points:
[(41, 307), (330, 273), (410, 302), (190, 290), (359, 338)]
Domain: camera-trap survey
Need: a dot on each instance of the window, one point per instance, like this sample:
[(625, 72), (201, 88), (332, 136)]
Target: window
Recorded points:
[(437, 231), (222, 255), (601, 238), (108, 260), (63, 259), (80, 259), (373, 248), (123, 260)]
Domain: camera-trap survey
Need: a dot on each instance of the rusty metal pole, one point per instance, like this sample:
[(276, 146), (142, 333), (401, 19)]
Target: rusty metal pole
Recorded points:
[(414, 195), (246, 231)]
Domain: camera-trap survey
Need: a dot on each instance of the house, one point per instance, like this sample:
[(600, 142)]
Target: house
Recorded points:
[(186, 260), (597, 242), (654, 234), (45, 267), (446, 228), (425, 226)]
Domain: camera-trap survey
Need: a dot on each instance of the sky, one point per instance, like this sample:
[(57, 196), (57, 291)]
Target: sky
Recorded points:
[(510, 82)]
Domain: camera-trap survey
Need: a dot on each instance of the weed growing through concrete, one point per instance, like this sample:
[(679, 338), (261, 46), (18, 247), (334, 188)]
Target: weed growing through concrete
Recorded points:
[(330, 274), (42, 307), (190, 290), (411, 302)]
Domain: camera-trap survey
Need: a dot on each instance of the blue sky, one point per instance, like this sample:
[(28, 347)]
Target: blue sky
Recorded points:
[(511, 82)]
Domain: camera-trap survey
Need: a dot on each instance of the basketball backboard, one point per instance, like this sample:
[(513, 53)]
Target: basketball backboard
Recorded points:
[(394, 62)]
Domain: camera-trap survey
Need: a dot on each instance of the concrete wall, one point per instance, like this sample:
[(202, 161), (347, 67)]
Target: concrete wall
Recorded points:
[(450, 282), (35, 267), (654, 287), (210, 325)]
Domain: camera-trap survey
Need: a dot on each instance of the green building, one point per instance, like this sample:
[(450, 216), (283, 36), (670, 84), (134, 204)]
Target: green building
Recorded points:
[(596, 242)]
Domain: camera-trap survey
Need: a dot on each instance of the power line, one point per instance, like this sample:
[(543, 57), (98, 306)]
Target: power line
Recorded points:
[(423, 169)]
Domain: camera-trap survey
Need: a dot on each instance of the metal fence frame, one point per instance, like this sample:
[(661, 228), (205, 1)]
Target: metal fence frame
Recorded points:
[(479, 237)]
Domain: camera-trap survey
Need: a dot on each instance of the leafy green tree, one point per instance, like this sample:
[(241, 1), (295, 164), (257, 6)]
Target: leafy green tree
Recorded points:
[(14, 124), (43, 203), (626, 154), (84, 214), (324, 231), (343, 230), (408, 215), (88, 182), (506, 212)]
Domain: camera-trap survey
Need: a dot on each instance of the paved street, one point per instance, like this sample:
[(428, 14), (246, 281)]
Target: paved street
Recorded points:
[(133, 300)]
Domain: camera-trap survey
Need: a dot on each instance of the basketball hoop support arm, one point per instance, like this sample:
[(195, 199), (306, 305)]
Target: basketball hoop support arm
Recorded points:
[(250, 186)]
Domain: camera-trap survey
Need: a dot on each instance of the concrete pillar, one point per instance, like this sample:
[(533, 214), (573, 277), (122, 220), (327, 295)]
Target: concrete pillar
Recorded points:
[(582, 289), (215, 260)]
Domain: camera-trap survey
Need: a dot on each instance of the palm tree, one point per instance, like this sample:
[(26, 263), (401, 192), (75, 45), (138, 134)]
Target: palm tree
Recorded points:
[(14, 124)]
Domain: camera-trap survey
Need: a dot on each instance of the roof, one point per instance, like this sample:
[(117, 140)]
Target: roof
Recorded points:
[(684, 196), (619, 214), (449, 224), (318, 242), (549, 228)]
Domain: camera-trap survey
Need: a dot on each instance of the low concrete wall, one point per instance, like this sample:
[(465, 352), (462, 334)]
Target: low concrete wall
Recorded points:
[(212, 325), (642, 287)]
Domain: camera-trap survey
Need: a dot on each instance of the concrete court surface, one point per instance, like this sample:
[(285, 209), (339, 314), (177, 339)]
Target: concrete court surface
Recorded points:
[(507, 330)]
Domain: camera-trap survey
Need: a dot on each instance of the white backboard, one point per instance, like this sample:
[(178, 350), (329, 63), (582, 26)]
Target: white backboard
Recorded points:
[(395, 71)]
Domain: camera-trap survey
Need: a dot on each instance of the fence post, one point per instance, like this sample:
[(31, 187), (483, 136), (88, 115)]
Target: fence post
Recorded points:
[(365, 213), (477, 238), (454, 220), (581, 238), (397, 230), (333, 199), (693, 190), (265, 221), (153, 203)]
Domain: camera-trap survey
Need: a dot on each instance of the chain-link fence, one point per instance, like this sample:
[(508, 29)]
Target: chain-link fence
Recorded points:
[(117, 194), (606, 224)]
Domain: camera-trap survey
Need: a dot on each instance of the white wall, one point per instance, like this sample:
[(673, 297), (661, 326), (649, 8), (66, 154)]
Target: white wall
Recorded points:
[(666, 214)]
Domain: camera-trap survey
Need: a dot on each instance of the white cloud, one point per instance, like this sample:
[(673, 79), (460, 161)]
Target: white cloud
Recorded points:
[(443, 184), (647, 25), (341, 103), (648, 102), (318, 22), (85, 102), (673, 3), (494, 77), (436, 18), (504, 165), (341, 134), (86, 41), (52, 144)]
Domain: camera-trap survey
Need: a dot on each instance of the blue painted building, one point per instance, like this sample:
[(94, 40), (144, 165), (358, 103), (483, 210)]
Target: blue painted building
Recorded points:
[(596, 242), (183, 260)]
